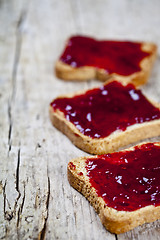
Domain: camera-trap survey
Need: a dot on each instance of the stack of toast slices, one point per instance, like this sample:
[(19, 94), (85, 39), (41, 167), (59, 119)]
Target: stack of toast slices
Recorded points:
[(123, 186)]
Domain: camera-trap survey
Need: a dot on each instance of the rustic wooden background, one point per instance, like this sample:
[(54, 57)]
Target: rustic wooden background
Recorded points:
[(36, 200)]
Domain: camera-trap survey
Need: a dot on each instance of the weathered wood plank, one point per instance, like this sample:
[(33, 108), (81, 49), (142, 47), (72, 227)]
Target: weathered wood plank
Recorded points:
[(9, 195), (36, 69), (36, 200)]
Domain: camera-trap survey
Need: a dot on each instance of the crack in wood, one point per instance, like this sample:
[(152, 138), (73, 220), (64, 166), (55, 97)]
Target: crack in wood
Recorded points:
[(8, 215), (17, 51), (4, 198), (10, 125), (29, 218), (19, 212), (18, 47), (21, 207), (43, 231), (17, 174), (17, 182)]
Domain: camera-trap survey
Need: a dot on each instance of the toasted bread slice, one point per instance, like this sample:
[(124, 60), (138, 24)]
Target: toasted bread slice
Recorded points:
[(120, 135), (112, 198), (68, 70)]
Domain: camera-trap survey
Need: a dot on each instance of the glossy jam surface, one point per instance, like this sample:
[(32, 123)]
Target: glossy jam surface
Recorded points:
[(113, 56), (101, 111), (127, 180)]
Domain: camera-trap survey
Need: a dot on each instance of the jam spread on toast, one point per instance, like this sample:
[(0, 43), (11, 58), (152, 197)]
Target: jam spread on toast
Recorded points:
[(99, 112), (127, 180), (121, 57)]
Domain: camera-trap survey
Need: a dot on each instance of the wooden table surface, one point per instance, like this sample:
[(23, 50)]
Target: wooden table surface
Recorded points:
[(36, 200)]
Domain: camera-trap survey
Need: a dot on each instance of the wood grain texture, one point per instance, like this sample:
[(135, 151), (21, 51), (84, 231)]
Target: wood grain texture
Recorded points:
[(36, 200)]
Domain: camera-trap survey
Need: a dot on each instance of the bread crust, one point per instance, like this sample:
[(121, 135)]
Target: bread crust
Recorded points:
[(67, 72), (110, 143), (113, 220)]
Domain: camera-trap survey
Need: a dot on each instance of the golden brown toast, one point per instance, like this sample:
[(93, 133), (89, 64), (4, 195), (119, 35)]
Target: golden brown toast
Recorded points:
[(121, 135), (120, 210), (69, 71)]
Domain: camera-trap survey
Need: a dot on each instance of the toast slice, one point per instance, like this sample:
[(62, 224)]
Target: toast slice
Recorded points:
[(103, 119), (123, 187), (86, 58)]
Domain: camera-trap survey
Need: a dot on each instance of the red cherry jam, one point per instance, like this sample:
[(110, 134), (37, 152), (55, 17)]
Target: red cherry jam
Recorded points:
[(127, 180), (113, 56), (101, 111)]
